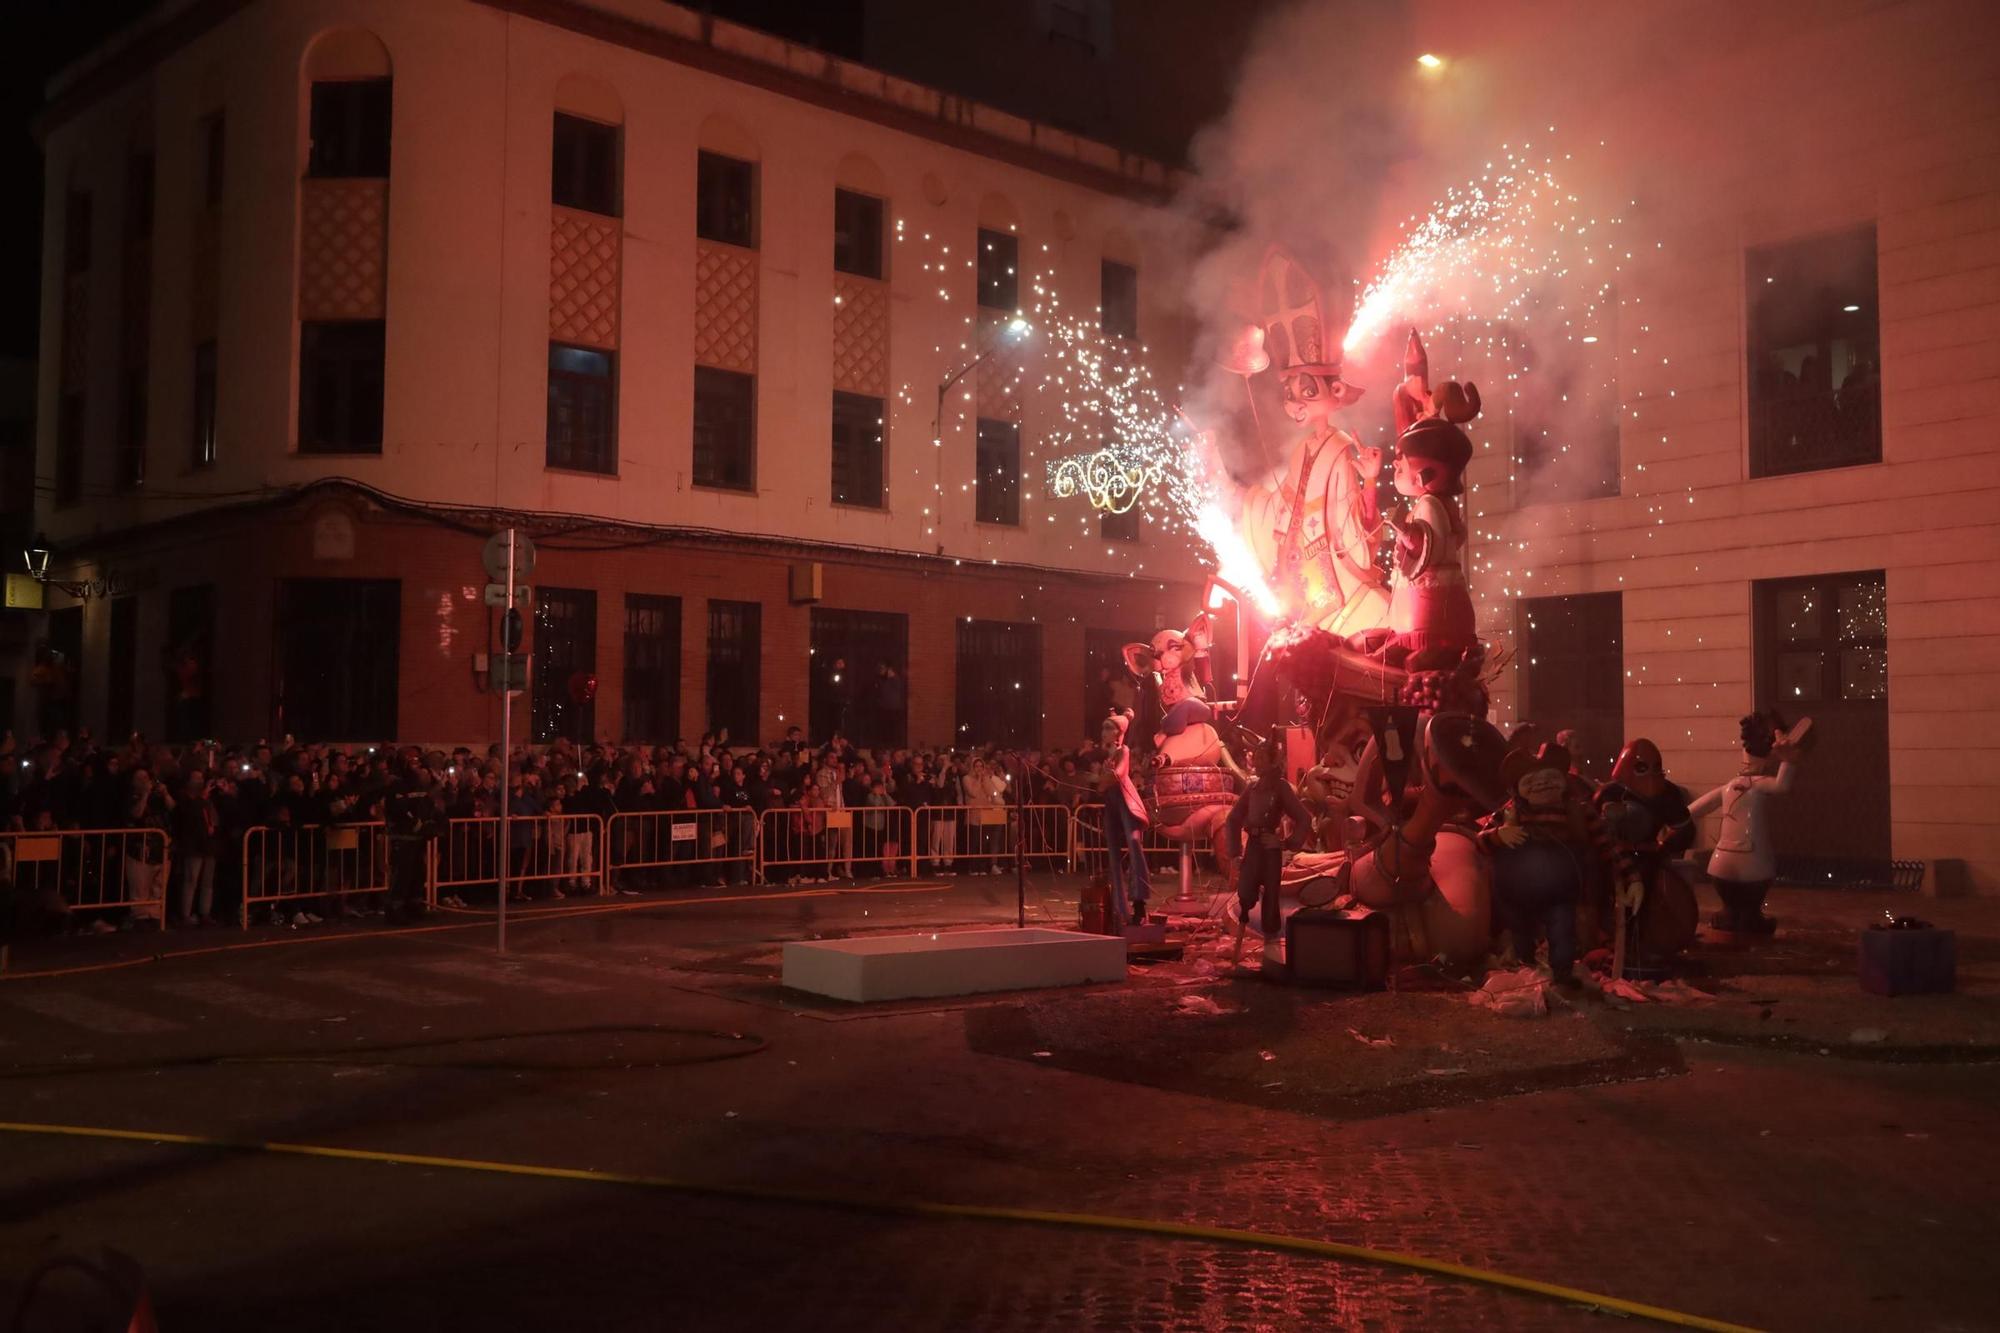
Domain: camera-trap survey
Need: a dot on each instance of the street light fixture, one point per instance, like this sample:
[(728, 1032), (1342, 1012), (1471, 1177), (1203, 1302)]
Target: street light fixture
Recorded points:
[(36, 556), (1012, 331)]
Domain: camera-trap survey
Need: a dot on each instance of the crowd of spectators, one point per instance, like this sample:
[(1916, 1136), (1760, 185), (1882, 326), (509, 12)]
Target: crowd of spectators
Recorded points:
[(202, 798)]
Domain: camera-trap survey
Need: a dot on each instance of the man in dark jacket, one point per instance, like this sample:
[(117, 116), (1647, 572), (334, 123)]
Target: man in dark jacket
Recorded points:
[(1257, 823)]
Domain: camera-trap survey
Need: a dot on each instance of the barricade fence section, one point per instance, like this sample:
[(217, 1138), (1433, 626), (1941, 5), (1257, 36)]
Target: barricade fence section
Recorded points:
[(1087, 852), (642, 847), (557, 852), (954, 839), (817, 843), (92, 870), (297, 868)]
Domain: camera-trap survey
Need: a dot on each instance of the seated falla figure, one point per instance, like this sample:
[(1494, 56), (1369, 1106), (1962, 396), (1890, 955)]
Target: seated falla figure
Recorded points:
[(1547, 846), (1744, 861), (1647, 814), (1176, 665)]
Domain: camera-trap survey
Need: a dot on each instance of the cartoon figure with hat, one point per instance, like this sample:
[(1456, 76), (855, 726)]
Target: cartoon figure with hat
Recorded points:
[(1313, 523), (1430, 607), (1547, 849), (1744, 862)]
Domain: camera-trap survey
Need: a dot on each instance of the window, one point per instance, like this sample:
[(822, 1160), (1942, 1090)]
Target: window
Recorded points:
[(1118, 527), (849, 690), (1822, 651), (1118, 300), (189, 652), (76, 232), (857, 234), (584, 170), (735, 653), (350, 129), (69, 447), (999, 282), (999, 683), (1108, 684), (1815, 355), (132, 428), (564, 696), (214, 140), (1575, 672), (583, 408), (857, 450), (138, 197), (204, 404), (652, 668), (122, 670), (335, 643), (340, 386), (997, 485), (725, 433), (725, 207)]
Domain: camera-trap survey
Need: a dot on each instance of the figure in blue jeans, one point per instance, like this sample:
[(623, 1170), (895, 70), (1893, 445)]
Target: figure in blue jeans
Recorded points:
[(1125, 822), (1257, 824)]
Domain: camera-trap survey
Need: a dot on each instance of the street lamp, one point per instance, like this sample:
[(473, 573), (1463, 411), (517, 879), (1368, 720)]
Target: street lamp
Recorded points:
[(36, 557), (1012, 331)]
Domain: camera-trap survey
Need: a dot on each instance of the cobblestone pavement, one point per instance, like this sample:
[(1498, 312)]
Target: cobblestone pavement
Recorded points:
[(1776, 1190)]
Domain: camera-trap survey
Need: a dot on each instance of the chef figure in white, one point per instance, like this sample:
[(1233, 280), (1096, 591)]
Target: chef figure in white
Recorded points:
[(1744, 861)]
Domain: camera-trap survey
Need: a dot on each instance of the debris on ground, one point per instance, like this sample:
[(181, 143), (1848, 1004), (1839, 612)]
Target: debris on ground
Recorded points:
[(1674, 991), (1201, 1005), (1367, 1040), (1522, 993), (1868, 1036)]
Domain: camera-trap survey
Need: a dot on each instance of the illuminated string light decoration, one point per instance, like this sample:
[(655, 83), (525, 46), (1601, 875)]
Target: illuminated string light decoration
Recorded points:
[(1106, 480)]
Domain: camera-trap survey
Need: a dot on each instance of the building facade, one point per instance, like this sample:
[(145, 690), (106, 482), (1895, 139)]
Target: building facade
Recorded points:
[(1792, 499), (755, 341)]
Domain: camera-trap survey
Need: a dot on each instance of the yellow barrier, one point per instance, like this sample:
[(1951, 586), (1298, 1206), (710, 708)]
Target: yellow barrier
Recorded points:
[(92, 869), (556, 850), (641, 843), (818, 843), (314, 861)]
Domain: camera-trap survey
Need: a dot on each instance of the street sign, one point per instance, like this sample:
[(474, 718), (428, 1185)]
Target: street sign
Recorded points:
[(496, 593), (494, 557), (509, 671), (510, 630)]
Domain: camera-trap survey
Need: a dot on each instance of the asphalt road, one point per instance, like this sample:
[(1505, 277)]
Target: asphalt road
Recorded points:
[(1773, 1191)]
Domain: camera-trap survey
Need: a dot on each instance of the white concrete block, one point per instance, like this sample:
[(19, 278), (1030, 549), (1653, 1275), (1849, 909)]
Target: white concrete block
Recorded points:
[(965, 962)]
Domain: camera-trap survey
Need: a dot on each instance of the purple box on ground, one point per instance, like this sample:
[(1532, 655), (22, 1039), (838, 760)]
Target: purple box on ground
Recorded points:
[(1909, 962)]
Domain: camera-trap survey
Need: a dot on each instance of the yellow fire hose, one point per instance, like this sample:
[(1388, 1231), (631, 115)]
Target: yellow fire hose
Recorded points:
[(1264, 1240)]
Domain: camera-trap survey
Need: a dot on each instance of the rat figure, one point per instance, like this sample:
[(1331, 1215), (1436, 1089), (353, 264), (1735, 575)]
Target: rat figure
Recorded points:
[(1430, 606)]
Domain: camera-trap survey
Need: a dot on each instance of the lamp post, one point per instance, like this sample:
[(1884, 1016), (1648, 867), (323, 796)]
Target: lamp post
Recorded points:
[(1014, 330), (36, 557)]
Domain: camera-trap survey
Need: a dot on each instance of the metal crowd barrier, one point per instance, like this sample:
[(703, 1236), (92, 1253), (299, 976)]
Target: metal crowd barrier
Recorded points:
[(1087, 843), (968, 837), (820, 843), (93, 869), (641, 844), (558, 850), (301, 865)]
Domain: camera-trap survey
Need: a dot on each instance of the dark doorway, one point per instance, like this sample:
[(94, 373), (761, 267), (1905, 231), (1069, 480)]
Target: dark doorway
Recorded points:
[(1574, 673), (190, 655), (122, 670), (735, 661), (1106, 682), (58, 680), (849, 693), (1823, 653), (565, 679), (999, 683), (337, 656), (652, 668)]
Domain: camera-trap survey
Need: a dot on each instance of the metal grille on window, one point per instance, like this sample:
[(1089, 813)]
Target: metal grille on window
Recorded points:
[(565, 667)]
